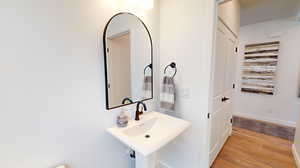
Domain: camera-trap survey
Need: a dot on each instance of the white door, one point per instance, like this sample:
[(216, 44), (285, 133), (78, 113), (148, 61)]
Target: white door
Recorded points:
[(223, 80), (230, 72)]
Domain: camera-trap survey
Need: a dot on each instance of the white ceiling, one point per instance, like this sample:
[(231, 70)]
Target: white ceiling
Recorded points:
[(255, 11)]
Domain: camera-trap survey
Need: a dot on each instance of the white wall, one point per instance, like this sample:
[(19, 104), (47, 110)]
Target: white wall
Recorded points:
[(52, 83), (229, 12), (283, 107), (186, 31)]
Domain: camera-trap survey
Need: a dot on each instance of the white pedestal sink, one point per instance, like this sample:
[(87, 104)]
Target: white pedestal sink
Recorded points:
[(148, 135)]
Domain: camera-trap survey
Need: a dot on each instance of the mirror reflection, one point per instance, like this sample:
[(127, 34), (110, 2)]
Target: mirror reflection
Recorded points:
[(128, 60)]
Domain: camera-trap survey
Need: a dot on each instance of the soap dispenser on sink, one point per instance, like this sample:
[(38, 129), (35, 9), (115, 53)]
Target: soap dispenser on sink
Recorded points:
[(122, 120)]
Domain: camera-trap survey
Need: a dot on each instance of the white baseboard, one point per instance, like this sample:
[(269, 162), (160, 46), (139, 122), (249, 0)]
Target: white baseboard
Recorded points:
[(296, 156), (275, 121)]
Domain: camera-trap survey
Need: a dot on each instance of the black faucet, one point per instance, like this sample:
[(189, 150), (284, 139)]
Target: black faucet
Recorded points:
[(138, 112)]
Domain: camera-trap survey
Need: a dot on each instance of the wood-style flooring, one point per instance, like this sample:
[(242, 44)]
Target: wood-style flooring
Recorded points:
[(248, 149)]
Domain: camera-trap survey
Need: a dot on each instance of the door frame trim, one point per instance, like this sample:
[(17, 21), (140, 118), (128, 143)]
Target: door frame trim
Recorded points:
[(211, 90)]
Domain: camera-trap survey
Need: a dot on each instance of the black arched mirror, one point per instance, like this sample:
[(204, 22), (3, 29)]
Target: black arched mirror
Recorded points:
[(128, 55)]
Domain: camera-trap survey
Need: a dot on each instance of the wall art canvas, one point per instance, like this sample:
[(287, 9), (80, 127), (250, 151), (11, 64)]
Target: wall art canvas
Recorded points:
[(259, 67)]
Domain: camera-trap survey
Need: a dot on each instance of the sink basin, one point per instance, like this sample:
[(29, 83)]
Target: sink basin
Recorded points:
[(140, 129), (152, 132)]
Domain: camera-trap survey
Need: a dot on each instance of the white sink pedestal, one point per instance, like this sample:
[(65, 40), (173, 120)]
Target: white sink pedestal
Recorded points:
[(142, 161), (146, 136)]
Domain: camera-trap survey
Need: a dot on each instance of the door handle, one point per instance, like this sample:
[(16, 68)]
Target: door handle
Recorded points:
[(224, 99)]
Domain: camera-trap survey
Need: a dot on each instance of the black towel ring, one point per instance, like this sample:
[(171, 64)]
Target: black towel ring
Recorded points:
[(172, 65), (148, 66)]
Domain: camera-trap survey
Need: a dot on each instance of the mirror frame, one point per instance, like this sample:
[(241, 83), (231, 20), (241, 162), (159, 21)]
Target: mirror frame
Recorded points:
[(105, 61)]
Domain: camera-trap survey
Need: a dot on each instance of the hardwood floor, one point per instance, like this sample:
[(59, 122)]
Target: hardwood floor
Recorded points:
[(248, 149)]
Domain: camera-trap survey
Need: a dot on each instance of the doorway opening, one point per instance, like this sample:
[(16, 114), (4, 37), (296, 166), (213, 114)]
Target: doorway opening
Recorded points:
[(255, 93), (119, 56)]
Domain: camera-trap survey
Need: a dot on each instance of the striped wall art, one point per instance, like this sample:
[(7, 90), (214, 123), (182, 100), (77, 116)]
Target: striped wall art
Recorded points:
[(259, 67)]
